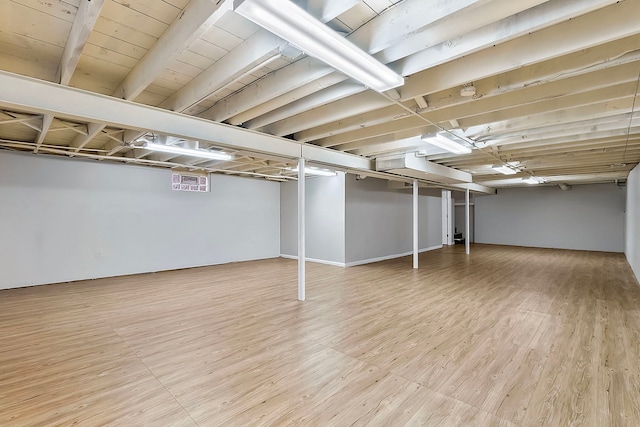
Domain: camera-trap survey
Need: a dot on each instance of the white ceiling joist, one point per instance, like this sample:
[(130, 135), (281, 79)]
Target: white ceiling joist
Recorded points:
[(348, 113), (275, 84), (286, 98), (576, 137), (581, 178), (525, 22), (352, 140), (331, 94), (595, 111), (196, 18), (601, 57), (360, 103), (453, 26), (86, 17), (540, 18), (390, 137), (326, 10), (620, 121), (359, 121), (83, 23), (409, 16), (253, 52), (621, 91), (610, 23)]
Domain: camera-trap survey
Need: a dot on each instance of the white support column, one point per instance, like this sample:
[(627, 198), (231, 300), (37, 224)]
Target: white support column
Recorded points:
[(415, 223), (301, 231), (466, 222)]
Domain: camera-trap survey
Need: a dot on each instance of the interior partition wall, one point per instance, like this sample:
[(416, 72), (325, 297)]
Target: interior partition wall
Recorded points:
[(68, 219), (632, 229)]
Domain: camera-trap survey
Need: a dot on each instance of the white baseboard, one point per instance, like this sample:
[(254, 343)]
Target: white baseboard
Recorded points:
[(319, 261), (364, 261), (384, 258)]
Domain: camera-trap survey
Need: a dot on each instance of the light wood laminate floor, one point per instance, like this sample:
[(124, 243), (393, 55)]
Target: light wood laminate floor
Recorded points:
[(506, 336)]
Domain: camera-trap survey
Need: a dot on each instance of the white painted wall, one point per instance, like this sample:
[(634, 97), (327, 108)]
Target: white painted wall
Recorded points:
[(587, 217), (64, 220), (379, 220), (324, 213), (632, 229)]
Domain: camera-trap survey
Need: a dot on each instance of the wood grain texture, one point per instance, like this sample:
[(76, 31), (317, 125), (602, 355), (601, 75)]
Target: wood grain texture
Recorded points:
[(504, 337)]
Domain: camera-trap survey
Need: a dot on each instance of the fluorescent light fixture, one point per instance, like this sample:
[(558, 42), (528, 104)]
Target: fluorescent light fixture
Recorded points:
[(504, 169), (533, 180), (447, 142), (292, 23), (175, 149), (315, 171)]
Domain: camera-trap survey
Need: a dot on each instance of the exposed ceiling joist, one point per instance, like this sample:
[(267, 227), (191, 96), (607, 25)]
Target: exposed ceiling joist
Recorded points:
[(194, 20), (610, 23)]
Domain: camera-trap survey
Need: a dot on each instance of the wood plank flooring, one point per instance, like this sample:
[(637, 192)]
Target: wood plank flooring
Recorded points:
[(504, 337)]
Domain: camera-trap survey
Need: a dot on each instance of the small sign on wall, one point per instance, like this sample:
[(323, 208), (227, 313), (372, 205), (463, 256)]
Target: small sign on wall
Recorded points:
[(189, 182)]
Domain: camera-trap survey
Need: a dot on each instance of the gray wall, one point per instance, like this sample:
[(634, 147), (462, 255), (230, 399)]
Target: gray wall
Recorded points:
[(63, 220), (460, 221), (379, 220), (632, 246), (587, 217), (325, 199)]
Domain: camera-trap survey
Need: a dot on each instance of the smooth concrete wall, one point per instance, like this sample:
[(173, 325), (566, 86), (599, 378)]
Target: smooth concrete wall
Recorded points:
[(632, 229), (586, 217), (64, 220), (325, 221), (379, 221)]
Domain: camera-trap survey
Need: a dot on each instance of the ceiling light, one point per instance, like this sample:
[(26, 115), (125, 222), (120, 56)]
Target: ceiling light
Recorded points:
[(295, 25), (175, 149), (448, 141), (504, 169), (533, 180), (315, 171)]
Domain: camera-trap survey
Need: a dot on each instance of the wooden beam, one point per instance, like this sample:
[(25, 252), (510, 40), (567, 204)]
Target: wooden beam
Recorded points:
[(39, 97), (196, 18), (610, 23), (334, 93), (83, 23)]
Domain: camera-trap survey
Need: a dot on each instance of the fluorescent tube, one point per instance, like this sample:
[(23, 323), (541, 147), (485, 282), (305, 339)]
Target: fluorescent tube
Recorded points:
[(315, 171), (532, 180), (295, 25), (504, 169), (446, 142), (175, 149)]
